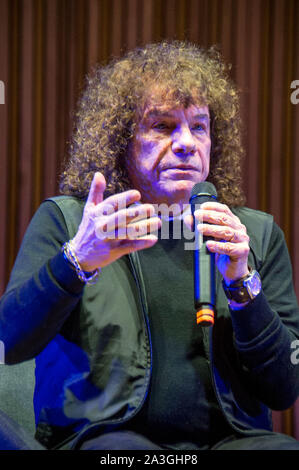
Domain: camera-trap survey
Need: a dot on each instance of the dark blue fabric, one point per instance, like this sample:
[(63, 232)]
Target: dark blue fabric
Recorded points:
[(72, 368)]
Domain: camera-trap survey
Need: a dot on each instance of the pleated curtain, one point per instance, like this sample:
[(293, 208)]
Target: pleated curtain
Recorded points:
[(48, 46)]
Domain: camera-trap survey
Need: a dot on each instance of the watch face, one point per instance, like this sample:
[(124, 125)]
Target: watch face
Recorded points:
[(253, 284), (249, 290)]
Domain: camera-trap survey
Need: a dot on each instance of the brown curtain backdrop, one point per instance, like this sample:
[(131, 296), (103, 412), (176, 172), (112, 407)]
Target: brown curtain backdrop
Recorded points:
[(48, 46)]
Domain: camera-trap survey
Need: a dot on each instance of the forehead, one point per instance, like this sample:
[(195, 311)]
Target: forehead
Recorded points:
[(154, 111), (166, 100)]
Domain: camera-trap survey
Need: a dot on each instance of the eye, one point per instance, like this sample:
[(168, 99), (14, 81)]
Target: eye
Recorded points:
[(161, 126), (199, 127)]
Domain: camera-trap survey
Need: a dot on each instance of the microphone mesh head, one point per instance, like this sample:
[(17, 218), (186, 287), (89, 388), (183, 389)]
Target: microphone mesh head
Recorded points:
[(204, 188)]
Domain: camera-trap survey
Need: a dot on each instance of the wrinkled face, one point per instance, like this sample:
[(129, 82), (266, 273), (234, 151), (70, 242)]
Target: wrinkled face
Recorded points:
[(170, 152)]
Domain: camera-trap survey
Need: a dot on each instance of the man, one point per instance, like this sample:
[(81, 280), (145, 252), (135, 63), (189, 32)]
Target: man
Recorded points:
[(105, 303)]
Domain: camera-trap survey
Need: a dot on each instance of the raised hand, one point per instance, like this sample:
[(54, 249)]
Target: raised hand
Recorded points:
[(113, 227)]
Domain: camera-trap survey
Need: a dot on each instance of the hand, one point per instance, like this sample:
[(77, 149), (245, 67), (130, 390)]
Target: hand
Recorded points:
[(231, 242), (110, 229)]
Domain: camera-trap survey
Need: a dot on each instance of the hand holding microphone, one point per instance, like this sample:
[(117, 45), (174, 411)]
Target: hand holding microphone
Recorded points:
[(221, 240)]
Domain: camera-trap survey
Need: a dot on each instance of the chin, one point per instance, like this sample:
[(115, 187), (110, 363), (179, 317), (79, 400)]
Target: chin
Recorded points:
[(178, 194), (182, 188)]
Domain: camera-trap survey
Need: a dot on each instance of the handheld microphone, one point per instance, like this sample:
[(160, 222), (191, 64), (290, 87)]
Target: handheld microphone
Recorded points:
[(203, 260)]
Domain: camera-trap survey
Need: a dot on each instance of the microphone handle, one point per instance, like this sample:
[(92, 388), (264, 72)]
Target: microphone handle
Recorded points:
[(204, 280), (204, 285)]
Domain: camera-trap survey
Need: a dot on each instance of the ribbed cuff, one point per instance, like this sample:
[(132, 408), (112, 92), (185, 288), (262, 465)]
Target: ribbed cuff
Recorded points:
[(252, 320)]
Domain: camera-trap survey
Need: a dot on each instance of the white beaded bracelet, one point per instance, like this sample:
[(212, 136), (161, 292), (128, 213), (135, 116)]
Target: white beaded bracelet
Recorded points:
[(69, 254)]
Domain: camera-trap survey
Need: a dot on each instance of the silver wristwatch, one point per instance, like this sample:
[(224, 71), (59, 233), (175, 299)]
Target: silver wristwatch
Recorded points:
[(244, 289)]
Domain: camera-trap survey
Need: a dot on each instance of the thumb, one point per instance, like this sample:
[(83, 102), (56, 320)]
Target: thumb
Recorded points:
[(189, 221), (97, 188)]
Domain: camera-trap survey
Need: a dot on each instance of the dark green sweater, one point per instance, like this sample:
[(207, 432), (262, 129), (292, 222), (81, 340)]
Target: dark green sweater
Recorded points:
[(181, 406)]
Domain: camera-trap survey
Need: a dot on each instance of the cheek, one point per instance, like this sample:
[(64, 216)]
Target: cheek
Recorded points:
[(147, 153), (206, 155)]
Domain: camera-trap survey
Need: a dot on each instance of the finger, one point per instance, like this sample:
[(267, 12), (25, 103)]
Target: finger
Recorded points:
[(217, 206), (143, 227), (189, 221), (123, 217), (105, 231), (141, 211), (97, 188), (234, 250), (117, 202), (223, 233), (218, 218), (129, 246)]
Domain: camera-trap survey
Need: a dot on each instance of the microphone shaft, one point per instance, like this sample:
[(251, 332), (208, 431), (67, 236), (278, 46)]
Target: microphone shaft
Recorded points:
[(204, 268), (204, 277)]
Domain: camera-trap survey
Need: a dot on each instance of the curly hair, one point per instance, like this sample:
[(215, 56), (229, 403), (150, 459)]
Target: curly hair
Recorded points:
[(110, 108)]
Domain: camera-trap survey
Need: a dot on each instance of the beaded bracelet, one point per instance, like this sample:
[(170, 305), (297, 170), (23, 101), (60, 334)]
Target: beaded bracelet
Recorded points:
[(69, 254)]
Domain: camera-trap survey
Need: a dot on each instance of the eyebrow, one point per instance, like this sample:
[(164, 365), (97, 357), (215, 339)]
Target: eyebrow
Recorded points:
[(156, 113), (152, 113), (202, 116)]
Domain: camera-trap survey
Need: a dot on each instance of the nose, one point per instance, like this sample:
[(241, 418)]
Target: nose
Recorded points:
[(183, 141)]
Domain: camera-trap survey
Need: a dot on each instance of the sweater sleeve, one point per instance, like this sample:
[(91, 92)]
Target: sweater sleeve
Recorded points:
[(43, 288), (266, 329)]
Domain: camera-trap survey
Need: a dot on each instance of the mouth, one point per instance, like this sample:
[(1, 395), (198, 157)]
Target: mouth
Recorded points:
[(188, 173), (181, 168)]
